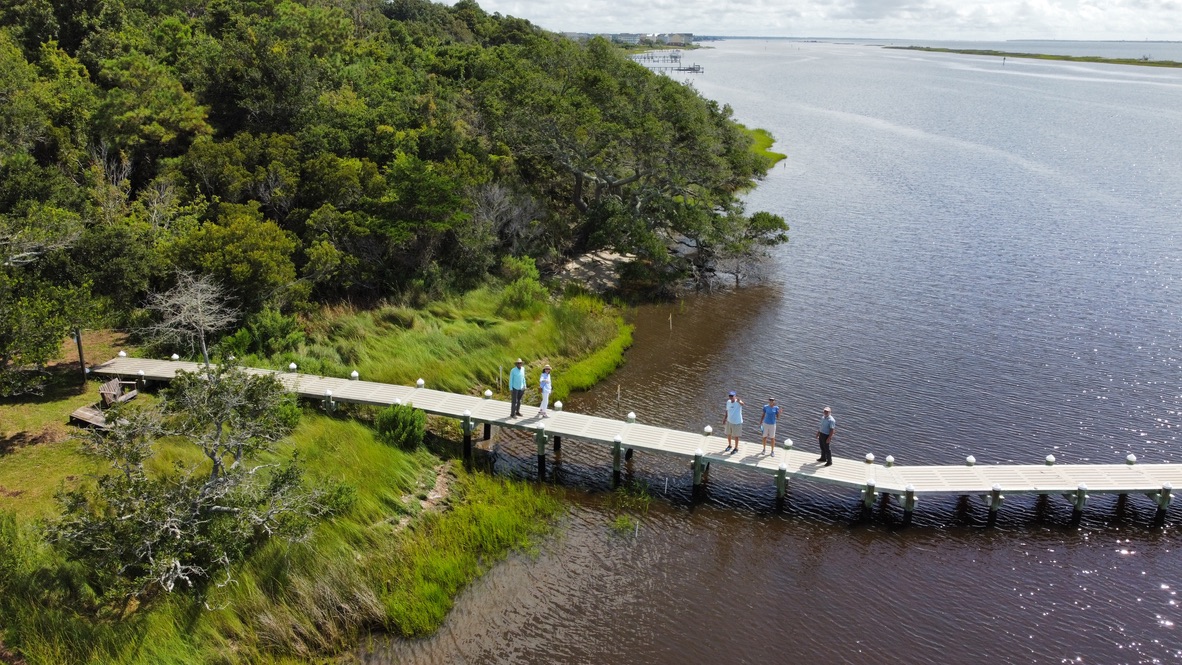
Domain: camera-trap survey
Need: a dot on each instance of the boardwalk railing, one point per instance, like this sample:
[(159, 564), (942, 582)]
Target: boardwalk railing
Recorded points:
[(1075, 482)]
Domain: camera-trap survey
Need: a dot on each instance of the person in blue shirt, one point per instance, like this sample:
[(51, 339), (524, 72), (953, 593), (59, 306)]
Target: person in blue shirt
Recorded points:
[(732, 422), (770, 413), (516, 388), (825, 432)]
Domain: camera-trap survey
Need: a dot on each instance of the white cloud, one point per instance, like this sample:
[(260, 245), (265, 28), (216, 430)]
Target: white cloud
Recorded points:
[(917, 19)]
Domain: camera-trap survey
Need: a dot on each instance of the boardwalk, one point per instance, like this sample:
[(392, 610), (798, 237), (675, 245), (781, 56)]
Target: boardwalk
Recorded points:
[(870, 476)]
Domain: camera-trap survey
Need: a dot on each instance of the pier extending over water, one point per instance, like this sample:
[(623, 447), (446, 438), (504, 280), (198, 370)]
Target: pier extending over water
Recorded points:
[(870, 476)]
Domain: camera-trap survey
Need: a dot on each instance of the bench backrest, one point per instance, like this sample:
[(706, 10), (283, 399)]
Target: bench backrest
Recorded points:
[(110, 391)]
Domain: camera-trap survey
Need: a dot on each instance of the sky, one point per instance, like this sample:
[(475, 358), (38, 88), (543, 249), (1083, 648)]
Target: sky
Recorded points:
[(899, 19)]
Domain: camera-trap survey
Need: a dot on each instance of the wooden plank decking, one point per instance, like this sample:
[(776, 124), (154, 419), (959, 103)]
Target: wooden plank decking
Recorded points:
[(1155, 480)]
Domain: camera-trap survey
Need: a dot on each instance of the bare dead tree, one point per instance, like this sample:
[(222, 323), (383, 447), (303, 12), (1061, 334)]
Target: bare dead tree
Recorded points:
[(191, 312), (512, 217)]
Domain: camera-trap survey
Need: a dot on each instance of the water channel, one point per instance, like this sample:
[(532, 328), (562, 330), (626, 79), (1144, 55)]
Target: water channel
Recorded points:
[(985, 259)]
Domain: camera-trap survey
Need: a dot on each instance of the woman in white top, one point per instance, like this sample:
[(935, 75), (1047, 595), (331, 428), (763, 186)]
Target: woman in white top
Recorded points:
[(546, 386)]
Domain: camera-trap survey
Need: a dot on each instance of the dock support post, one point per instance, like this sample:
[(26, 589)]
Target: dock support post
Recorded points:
[(628, 454), (1079, 499), (699, 469), (468, 426), (995, 499), (869, 493), (616, 461), (1163, 498), (782, 481), (487, 426), (909, 502), (540, 439), (557, 444)]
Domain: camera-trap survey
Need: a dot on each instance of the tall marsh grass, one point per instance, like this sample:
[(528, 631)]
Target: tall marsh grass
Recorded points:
[(465, 343)]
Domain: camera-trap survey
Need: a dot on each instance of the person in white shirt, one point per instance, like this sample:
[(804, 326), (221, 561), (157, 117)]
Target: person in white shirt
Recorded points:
[(545, 383)]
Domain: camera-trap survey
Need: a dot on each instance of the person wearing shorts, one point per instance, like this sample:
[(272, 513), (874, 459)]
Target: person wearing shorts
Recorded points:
[(770, 413), (732, 421)]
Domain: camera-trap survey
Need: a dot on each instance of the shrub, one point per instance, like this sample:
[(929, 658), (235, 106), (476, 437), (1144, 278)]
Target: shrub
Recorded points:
[(401, 426)]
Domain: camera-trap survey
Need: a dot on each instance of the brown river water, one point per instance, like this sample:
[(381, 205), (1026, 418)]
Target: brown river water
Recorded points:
[(983, 261)]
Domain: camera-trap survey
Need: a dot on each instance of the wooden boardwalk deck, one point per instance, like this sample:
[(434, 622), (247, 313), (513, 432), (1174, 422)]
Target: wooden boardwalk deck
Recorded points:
[(871, 477)]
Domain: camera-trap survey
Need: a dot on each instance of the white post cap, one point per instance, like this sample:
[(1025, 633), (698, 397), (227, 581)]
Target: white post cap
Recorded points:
[(890, 459), (996, 487), (141, 373), (910, 488), (1050, 460), (328, 393), (398, 400), (787, 443), (618, 439), (487, 393), (707, 430), (1083, 487), (970, 460), (783, 466), (420, 383), (870, 458), (175, 357), (631, 416), (353, 375), (292, 367), (870, 482), (558, 405), (1167, 486), (467, 414), (1131, 458), (698, 452), (122, 354)]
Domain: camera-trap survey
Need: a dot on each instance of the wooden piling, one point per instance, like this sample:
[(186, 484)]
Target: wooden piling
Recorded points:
[(909, 501), (995, 499), (616, 462), (540, 439), (468, 426)]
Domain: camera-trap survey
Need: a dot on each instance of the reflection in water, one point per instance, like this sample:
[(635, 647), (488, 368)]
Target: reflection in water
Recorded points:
[(999, 280)]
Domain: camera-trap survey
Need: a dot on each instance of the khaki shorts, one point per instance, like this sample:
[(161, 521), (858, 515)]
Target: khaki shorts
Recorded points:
[(769, 431), (733, 429)]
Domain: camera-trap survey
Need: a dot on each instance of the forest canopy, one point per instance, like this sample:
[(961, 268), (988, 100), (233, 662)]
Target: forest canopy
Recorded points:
[(318, 151)]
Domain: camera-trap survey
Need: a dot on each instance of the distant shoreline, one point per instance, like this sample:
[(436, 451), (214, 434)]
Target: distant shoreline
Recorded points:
[(1144, 62)]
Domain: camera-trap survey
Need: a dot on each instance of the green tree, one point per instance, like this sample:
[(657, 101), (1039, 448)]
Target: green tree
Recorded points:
[(251, 256), (35, 316), (146, 111), (141, 535)]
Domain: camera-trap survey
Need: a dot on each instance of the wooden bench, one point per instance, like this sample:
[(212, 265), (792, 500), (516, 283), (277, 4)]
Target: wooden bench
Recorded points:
[(110, 393)]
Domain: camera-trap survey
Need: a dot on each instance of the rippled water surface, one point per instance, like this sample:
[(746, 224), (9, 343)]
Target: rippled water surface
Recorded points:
[(985, 260)]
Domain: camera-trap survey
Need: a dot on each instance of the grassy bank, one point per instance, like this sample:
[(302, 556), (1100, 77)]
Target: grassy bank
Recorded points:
[(762, 143), (417, 527), (387, 563), (1143, 61)]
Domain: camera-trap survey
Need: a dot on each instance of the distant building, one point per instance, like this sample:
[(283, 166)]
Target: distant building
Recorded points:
[(627, 38), (676, 38)]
